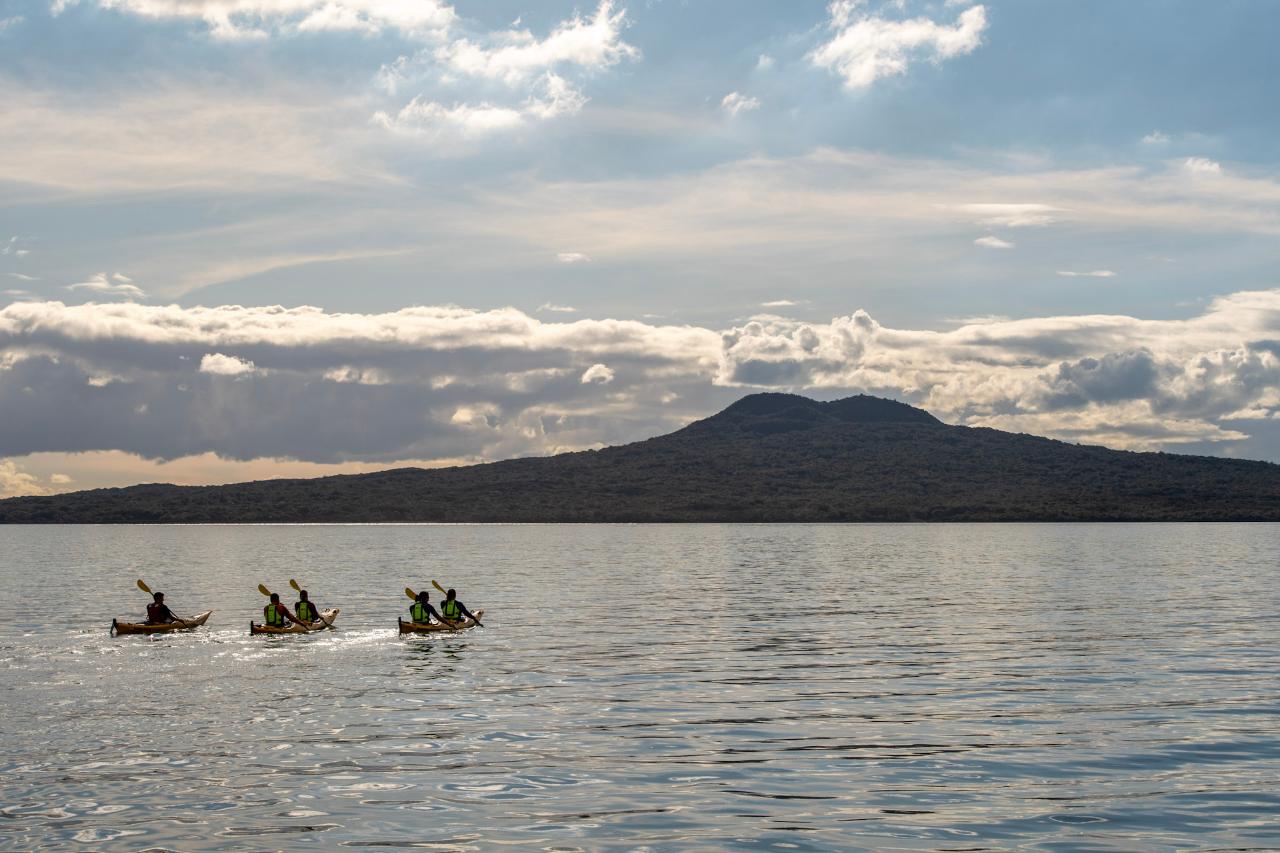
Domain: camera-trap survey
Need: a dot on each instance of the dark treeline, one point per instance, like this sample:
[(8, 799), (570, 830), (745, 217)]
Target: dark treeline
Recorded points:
[(768, 457)]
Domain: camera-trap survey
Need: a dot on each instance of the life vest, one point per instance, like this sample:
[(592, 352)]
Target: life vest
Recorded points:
[(418, 611), (450, 610), (275, 619), (305, 611), (154, 611)]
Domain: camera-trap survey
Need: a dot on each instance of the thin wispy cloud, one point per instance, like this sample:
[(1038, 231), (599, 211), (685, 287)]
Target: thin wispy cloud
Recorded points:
[(992, 242), (15, 248), (248, 19), (1089, 274), (1016, 215), (573, 257), (116, 284)]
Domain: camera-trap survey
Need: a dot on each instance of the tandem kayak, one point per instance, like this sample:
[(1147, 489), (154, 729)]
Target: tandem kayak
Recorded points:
[(119, 627), (423, 628), (329, 616)]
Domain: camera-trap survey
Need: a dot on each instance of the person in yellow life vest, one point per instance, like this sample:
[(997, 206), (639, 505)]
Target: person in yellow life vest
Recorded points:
[(421, 610), (276, 615), (453, 610), (305, 610)]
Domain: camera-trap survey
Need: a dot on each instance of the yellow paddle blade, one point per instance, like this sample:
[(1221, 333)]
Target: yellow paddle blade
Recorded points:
[(293, 583), (411, 593), (436, 584), (142, 586), (262, 588)]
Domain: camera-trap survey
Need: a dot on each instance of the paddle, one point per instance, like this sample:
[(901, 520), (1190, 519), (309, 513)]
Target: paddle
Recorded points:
[(142, 586), (444, 591), (293, 583)]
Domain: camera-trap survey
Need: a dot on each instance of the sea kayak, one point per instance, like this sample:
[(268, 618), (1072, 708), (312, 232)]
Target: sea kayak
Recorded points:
[(328, 615), (424, 628), (119, 627)]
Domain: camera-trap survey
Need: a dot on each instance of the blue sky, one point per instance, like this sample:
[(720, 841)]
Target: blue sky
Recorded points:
[(465, 231)]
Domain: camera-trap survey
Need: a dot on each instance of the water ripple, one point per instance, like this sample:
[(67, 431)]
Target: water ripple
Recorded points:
[(1019, 687)]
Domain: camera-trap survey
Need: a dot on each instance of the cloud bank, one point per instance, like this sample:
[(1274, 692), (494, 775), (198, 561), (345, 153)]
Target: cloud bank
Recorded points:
[(446, 382)]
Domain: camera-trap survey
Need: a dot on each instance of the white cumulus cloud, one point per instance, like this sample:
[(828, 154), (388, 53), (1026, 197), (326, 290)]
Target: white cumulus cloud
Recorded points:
[(598, 374), (1202, 166), (121, 376), (14, 482), (992, 242), (225, 365), (512, 56), (867, 47), (735, 102)]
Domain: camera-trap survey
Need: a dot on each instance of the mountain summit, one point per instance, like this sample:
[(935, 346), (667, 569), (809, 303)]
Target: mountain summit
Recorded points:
[(767, 457)]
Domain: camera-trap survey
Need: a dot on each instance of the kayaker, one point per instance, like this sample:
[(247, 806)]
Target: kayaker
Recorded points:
[(454, 610), (275, 614), (158, 613), (306, 611), (421, 610)]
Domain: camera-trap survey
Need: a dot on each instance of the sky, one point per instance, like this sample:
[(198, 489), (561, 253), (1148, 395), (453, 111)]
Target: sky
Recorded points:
[(243, 239)]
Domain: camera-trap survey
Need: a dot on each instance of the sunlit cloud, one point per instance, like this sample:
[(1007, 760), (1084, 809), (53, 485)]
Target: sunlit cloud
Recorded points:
[(735, 102), (1012, 215), (116, 284), (1202, 166), (240, 19), (991, 242), (866, 47), (513, 56), (147, 374)]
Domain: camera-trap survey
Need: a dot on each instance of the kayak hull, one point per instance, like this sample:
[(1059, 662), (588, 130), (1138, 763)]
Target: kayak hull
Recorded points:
[(437, 627), (329, 616), (119, 627)]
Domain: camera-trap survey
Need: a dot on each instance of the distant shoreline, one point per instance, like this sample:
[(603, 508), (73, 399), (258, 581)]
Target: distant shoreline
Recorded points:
[(766, 459)]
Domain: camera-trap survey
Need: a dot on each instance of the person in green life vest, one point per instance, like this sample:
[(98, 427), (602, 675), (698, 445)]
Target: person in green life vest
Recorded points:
[(305, 610), (276, 615), (453, 610), (421, 610)]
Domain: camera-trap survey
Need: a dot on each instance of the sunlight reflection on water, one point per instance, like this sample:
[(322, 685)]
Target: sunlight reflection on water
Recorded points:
[(954, 687)]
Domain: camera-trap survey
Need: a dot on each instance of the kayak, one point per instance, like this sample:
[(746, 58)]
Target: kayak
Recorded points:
[(291, 628), (119, 627), (423, 628)]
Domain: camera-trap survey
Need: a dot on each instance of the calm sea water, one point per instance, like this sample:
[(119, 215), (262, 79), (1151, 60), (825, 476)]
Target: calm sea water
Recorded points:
[(961, 688)]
